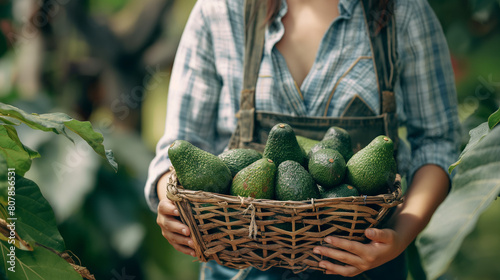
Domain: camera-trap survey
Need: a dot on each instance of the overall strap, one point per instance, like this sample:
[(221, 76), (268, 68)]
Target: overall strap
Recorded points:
[(255, 14), (381, 25)]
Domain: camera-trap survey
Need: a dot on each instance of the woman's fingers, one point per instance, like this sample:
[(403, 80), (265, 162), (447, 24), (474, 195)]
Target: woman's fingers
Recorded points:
[(356, 257), (177, 233), (171, 227), (166, 218), (181, 243), (344, 270), (380, 235), (167, 207), (347, 245), (172, 224), (184, 249), (339, 255)]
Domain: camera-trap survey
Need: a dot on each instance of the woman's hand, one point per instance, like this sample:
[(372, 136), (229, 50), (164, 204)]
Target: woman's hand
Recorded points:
[(172, 228), (428, 189), (385, 245)]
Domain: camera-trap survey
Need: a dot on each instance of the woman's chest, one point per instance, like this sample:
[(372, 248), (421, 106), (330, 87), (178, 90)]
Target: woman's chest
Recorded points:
[(342, 69), (305, 24)]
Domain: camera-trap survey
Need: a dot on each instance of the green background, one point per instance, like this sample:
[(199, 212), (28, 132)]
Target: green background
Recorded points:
[(80, 57)]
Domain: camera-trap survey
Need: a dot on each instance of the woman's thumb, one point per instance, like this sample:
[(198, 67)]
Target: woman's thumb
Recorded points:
[(379, 235)]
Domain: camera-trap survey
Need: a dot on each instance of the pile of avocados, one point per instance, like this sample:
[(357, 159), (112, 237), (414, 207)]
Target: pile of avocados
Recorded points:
[(292, 167)]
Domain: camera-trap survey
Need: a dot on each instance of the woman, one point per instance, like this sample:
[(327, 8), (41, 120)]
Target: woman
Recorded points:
[(317, 60)]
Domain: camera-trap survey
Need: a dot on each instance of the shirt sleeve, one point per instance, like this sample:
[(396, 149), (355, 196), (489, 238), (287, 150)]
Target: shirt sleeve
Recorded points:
[(428, 87), (192, 98)]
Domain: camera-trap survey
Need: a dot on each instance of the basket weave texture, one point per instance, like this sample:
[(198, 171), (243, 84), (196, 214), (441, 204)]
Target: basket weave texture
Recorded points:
[(239, 232)]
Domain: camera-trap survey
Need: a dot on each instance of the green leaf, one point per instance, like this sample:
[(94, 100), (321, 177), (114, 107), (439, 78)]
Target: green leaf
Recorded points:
[(3, 181), (94, 139), (46, 122), (15, 153), (59, 123), (494, 119), (414, 262), (476, 134), (6, 121), (36, 222), (475, 186), (39, 264)]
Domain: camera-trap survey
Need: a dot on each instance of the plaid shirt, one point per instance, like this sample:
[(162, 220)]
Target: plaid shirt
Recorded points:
[(208, 71)]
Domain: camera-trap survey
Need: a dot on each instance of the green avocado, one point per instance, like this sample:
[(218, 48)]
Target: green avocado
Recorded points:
[(197, 169), (343, 190), (372, 169), (327, 167), (339, 133), (255, 180), (306, 143), (282, 145), (293, 182), (336, 138), (237, 159)]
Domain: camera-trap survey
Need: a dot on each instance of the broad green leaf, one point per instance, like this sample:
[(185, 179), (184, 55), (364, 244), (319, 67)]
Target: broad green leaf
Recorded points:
[(59, 123), (494, 119), (476, 134), (475, 186), (46, 122), (94, 139), (3, 182), (36, 222), (414, 262), (39, 264), (15, 153), (6, 121)]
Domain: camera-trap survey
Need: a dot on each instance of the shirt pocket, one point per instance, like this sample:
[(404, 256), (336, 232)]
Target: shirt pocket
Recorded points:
[(358, 81)]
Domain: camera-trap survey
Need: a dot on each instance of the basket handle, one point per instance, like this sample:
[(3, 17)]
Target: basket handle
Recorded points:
[(172, 191)]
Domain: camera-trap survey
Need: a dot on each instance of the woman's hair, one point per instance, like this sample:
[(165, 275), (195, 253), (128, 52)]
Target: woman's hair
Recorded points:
[(273, 7)]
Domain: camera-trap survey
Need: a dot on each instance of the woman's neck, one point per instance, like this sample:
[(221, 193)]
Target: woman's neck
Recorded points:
[(305, 25)]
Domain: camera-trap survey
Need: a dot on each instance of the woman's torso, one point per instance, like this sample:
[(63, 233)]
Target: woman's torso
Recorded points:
[(342, 70)]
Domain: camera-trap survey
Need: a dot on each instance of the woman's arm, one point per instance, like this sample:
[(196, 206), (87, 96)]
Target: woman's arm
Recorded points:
[(429, 188), (193, 98), (429, 111), (193, 104)]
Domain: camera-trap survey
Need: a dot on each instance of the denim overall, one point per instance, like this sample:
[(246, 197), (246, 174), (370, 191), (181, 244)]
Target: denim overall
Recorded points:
[(358, 119)]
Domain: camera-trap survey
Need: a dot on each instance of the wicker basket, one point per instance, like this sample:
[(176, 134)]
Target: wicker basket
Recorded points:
[(240, 232)]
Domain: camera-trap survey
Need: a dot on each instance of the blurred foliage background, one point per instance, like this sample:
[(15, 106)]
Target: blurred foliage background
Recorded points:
[(109, 61)]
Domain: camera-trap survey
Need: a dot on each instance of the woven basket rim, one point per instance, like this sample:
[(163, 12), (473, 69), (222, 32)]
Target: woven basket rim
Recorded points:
[(177, 193)]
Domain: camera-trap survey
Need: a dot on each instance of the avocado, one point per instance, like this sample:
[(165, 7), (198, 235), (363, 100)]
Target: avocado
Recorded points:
[(373, 168), (339, 133), (342, 142), (282, 145), (293, 182), (343, 190), (335, 144), (237, 159), (327, 167), (255, 180), (197, 169), (306, 143)]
